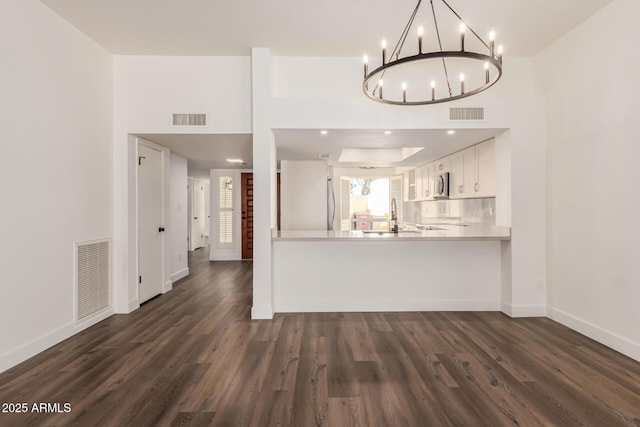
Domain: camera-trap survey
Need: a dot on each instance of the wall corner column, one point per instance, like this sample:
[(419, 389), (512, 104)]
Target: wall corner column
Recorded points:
[(264, 172)]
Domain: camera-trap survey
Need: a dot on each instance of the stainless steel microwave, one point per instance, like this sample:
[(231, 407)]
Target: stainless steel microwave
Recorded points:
[(442, 186)]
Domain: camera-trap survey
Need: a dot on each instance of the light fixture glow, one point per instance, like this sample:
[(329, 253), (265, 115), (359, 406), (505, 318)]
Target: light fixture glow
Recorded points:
[(365, 59), (404, 86), (492, 35), (461, 77), (420, 31), (433, 84), (463, 27), (451, 132), (323, 132), (387, 132), (383, 44), (235, 160), (500, 50)]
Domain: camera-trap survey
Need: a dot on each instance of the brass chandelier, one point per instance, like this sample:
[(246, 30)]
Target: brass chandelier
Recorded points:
[(478, 69)]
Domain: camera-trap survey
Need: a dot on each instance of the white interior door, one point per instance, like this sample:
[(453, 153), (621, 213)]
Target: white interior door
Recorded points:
[(197, 218), (150, 222), (207, 210)]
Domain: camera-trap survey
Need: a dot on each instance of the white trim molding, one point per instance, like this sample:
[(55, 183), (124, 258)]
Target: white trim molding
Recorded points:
[(623, 345), (523, 310), (400, 305), (130, 307), (259, 313), (38, 345), (168, 285), (180, 274)]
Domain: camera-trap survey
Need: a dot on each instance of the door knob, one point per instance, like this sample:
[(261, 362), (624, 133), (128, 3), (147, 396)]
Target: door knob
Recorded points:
[(160, 229)]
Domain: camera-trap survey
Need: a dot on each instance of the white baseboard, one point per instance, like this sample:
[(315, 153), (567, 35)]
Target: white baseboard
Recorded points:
[(623, 345), (127, 308), (523, 310), (261, 313), (38, 345), (180, 274), (167, 286), (325, 306)]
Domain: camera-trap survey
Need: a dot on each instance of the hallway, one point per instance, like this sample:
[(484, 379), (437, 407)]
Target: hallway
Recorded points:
[(193, 357)]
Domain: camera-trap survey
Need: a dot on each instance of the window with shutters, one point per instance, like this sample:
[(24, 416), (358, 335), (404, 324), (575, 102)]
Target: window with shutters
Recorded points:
[(366, 202), (225, 212)]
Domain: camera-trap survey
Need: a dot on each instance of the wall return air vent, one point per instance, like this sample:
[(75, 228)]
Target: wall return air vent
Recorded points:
[(189, 119), (466, 113), (92, 277)]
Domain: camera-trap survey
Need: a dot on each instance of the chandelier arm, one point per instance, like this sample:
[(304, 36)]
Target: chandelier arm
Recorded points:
[(405, 33), (444, 64), (471, 29), (400, 43)]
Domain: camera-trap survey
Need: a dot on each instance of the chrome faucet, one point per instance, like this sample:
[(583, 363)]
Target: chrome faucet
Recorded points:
[(394, 215)]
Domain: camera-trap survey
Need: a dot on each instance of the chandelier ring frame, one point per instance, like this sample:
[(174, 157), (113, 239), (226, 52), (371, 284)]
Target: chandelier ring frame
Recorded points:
[(432, 56)]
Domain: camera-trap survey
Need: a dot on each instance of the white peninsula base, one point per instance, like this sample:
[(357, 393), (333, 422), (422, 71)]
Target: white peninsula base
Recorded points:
[(386, 275)]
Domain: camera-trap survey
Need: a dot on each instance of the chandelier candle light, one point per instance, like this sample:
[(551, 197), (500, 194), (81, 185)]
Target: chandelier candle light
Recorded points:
[(491, 59)]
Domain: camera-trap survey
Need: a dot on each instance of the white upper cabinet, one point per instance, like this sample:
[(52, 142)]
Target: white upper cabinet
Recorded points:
[(462, 178), (443, 165), (412, 185), (471, 174), (419, 192), (456, 175), (485, 185), (427, 181)]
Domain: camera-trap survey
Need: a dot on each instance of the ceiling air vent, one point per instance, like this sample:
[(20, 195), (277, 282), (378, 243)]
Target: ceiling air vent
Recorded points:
[(189, 119), (466, 113)]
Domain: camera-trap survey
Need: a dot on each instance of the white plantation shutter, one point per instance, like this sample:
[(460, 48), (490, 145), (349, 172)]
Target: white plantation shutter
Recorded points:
[(225, 212)]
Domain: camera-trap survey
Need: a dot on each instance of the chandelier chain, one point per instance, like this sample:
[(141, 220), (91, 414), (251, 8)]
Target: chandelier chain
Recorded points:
[(403, 37)]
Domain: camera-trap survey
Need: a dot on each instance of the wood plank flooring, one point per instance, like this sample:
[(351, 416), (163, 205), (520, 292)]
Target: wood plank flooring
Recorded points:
[(194, 357)]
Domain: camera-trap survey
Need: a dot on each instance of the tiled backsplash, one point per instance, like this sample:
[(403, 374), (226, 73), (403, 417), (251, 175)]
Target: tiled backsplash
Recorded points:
[(463, 210)]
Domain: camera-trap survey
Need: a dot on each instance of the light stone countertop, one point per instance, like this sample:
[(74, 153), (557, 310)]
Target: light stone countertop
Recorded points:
[(450, 232)]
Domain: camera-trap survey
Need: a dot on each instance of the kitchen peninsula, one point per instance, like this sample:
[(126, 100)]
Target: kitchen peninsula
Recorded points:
[(453, 268)]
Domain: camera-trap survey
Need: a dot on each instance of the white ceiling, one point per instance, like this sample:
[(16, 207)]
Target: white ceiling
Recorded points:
[(312, 28), (204, 152), (304, 27)]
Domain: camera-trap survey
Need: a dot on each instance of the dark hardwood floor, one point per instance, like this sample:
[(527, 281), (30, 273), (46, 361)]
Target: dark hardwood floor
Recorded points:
[(194, 357)]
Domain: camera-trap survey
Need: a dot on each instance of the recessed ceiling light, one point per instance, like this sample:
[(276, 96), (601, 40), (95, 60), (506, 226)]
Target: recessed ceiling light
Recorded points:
[(387, 132), (451, 132), (323, 132), (235, 160)]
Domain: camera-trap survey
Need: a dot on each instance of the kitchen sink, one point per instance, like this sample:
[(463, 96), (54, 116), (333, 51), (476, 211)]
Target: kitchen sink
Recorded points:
[(430, 228)]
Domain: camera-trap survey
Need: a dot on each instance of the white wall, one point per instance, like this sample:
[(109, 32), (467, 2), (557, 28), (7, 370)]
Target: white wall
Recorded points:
[(147, 91), (593, 175), (55, 170), (321, 93), (303, 195), (177, 229)]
